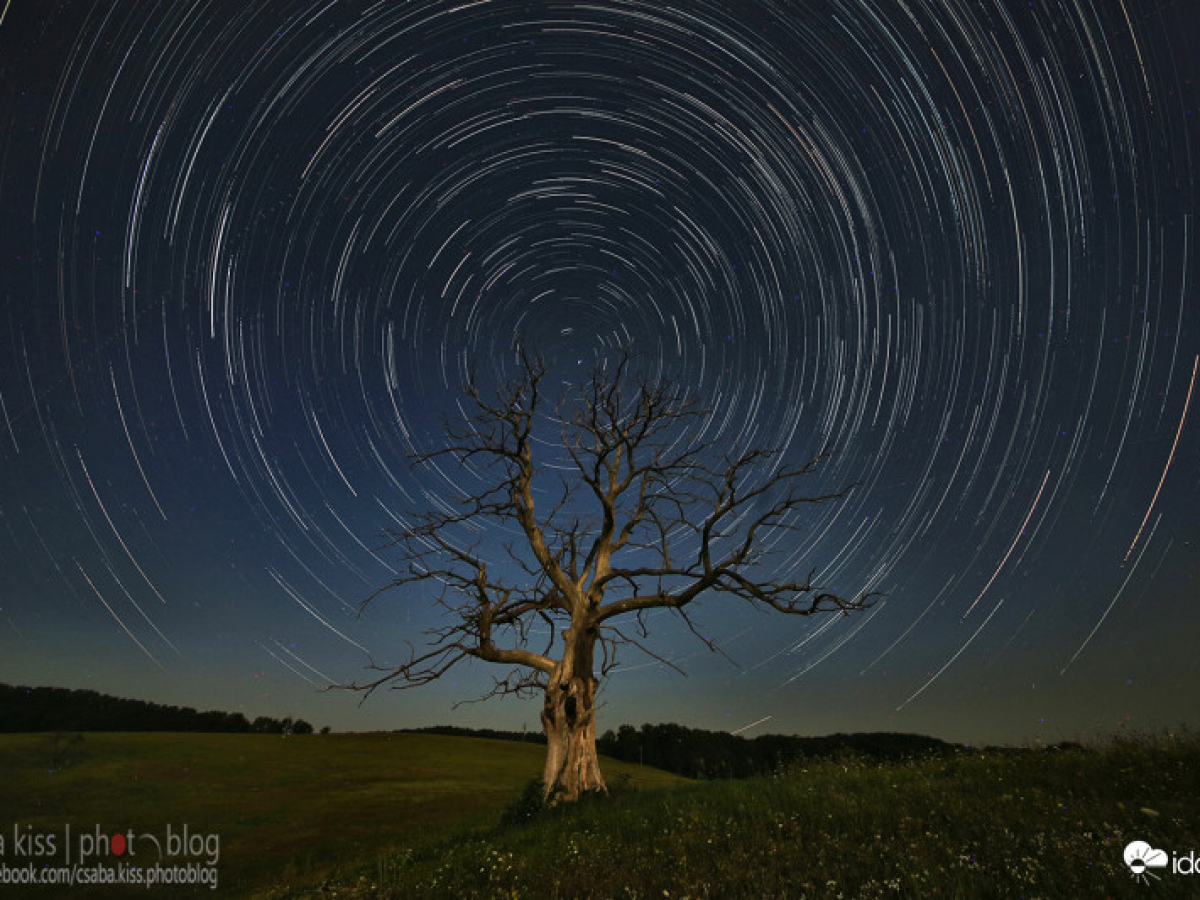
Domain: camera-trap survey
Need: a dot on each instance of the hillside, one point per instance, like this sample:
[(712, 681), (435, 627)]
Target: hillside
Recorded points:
[(414, 815), (283, 808), (1053, 823)]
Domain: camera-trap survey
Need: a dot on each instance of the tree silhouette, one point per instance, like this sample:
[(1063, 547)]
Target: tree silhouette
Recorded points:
[(631, 516)]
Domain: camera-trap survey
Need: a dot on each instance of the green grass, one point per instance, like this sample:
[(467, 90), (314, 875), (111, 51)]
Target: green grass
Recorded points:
[(1050, 824), (409, 815), (287, 810)]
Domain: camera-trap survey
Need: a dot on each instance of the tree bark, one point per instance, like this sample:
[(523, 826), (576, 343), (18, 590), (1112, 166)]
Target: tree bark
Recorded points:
[(569, 719)]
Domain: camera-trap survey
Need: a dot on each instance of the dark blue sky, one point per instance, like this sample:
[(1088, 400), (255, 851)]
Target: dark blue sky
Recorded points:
[(248, 253)]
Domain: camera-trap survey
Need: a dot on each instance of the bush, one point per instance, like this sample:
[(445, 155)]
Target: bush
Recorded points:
[(530, 803)]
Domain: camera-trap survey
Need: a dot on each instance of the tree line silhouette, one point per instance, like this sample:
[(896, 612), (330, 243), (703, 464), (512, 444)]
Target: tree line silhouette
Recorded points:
[(696, 753), (60, 709), (690, 752)]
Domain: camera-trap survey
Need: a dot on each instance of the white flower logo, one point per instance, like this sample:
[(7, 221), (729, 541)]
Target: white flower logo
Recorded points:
[(1141, 857)]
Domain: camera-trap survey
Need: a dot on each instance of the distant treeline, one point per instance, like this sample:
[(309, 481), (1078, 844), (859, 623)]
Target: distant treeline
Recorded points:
[(690, 752), (59, 709), (529, 737), (695, 753)]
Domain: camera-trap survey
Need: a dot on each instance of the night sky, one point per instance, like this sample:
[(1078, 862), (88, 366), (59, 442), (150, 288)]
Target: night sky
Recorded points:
[(249, 251)]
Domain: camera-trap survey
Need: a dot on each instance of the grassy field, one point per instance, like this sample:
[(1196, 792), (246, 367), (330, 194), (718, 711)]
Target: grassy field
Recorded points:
[(1050, 824), (287, 810), (406, 816)]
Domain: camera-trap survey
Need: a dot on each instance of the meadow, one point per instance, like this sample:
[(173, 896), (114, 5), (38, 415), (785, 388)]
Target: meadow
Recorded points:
[(403, 815), (288, 810)]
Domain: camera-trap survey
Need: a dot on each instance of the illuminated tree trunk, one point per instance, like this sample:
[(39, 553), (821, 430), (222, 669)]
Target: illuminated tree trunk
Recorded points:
[(569, 718)]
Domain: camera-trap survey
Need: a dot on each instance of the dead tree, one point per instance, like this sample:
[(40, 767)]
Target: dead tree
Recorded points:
[(567, 559)]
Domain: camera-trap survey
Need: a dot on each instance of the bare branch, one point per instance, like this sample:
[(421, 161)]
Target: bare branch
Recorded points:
[(645, 517)]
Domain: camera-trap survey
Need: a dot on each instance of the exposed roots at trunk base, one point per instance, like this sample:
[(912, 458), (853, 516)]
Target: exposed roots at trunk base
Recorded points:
[(569, 719)]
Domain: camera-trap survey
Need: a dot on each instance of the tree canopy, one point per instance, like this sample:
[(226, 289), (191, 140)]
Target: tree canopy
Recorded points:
[(591, 512)]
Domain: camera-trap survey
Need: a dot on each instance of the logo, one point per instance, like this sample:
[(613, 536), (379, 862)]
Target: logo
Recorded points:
[(100, 856), (1142, 859), (85, 846)]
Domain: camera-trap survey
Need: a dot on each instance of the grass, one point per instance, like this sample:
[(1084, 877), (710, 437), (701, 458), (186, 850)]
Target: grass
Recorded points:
[(411, 815), (287, 810), (1050, 824)]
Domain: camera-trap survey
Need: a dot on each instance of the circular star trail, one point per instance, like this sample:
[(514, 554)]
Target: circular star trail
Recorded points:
[(250, 254)]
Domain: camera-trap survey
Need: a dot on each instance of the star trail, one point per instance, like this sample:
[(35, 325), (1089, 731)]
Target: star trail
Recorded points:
[(250, 252)]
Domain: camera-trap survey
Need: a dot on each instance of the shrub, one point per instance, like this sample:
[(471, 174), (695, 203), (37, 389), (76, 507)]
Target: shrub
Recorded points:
[(530, 803)]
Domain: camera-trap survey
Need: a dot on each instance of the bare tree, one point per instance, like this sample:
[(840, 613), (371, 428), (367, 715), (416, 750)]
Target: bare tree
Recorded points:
[(639, 519)]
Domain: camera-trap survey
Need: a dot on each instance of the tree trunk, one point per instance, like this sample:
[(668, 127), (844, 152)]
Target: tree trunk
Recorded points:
[(569, 718)]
